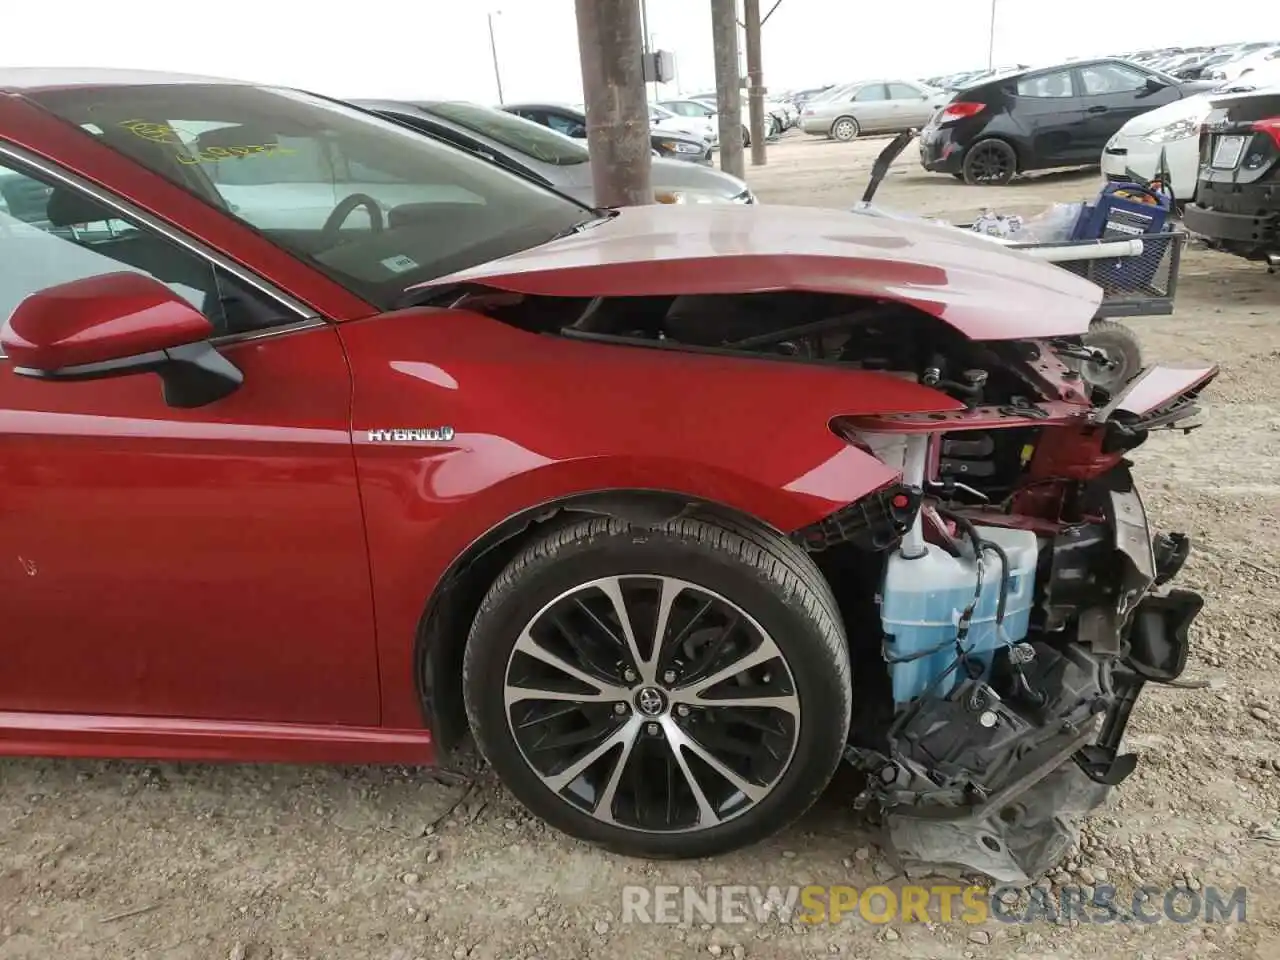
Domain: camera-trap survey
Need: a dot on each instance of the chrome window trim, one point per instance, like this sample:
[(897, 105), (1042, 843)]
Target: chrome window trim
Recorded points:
[(306, 323), (307, 317)]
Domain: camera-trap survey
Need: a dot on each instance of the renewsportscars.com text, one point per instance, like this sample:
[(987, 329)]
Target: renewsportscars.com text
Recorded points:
[(937, 903)]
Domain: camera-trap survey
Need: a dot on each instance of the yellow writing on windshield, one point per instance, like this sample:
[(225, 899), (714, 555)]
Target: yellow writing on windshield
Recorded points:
[(155, 132), (166, 134), (218, 154)]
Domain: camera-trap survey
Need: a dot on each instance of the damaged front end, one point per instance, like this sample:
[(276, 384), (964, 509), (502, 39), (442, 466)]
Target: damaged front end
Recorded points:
[(1005, 601), (1024, 605)]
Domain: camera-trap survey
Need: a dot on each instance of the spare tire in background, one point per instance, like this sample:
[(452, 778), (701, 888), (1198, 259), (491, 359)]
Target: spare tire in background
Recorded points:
[(1121, 346)]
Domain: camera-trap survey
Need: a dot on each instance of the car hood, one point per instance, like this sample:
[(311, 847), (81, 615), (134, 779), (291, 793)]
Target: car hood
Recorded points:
[(665, 129), (977, 286), (679, 175), (1184, 109)]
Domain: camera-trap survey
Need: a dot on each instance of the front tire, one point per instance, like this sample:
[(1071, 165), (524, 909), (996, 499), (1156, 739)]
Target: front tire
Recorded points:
[(713, 738), (845, 129), (990, 163)]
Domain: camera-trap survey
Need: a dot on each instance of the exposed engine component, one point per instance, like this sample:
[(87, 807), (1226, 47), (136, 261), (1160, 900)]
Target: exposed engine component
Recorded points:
[(1013, 689), (849, 331)]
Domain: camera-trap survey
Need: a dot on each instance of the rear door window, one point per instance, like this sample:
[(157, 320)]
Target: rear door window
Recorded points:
[(1100, 79), (1046, 85), (872, 92)]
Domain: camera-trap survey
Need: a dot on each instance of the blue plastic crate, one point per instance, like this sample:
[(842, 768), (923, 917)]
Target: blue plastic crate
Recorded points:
[(1116, 217)]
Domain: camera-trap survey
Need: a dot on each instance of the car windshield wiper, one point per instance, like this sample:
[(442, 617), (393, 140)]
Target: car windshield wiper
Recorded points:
[(600, 216)]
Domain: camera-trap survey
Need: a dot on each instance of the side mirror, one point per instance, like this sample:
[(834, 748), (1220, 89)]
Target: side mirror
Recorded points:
[(114, 325), (1154, 85)]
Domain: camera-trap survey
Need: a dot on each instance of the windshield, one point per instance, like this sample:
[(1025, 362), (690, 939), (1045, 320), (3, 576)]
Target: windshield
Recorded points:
[(372, 204), (524, 136)]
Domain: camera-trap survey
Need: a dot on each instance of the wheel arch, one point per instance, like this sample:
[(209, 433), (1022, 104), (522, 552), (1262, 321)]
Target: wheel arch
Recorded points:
[(443, 629)]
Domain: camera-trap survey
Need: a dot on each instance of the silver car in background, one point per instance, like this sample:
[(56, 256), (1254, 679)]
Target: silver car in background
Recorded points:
[(871, 106)]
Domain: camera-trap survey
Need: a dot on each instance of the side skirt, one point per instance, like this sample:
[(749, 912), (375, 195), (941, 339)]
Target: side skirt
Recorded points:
[(176, 738)]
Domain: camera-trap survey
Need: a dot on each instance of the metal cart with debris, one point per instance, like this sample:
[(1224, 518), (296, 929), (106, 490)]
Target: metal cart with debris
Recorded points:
[(1138, 276)]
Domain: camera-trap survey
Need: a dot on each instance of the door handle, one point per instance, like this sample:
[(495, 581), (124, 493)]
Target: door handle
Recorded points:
[(1097, 110)]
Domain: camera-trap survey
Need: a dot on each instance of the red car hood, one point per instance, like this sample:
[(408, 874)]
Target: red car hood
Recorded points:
[(985, 291)]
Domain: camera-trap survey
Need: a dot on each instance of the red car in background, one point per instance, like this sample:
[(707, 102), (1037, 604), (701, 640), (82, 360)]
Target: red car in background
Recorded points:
[(325, 441)]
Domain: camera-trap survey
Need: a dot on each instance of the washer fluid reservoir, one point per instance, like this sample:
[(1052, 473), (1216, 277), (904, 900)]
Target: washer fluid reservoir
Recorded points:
[(923, 599)]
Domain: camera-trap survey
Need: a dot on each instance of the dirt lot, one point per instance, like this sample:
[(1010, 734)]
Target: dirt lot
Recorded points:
[(116, 860)]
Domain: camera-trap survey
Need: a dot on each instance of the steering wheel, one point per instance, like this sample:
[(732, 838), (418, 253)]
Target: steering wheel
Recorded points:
[(345, 208)]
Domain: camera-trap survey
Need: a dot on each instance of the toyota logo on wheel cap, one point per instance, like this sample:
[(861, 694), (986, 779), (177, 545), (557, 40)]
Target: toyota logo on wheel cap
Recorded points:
[(650, 701)]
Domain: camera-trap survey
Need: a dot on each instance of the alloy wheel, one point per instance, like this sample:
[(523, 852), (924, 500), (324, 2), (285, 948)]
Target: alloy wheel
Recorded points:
[(991, 164), (652, 704)]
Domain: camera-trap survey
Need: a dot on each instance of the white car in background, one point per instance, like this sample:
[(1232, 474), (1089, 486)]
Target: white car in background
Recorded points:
[(1175, 129), (784, 115), (706, 127)]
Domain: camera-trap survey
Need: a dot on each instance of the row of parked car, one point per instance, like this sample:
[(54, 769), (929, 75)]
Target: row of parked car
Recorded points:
[(1223, 62), (1212, 143), (987, 127), (1204, 121)]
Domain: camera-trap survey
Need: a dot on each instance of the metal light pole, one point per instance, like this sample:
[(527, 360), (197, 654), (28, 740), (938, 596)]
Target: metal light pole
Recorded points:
[(493, 49), (991, 39)]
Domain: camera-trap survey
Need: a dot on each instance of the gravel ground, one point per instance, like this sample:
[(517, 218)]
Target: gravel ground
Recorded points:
[(118, 860)]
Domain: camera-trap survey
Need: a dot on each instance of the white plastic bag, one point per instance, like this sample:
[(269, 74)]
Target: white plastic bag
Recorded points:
[(1054, 225), (991, 224)]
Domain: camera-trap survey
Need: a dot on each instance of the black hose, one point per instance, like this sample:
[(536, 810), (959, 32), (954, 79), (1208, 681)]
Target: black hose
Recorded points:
[(971, 532), (1004, 578), (979, 545)]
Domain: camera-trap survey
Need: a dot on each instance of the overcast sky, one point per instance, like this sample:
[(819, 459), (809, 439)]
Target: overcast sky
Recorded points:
[(440, 48)]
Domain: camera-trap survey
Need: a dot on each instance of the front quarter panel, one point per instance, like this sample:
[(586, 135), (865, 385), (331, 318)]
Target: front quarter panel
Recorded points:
[(538, 418)]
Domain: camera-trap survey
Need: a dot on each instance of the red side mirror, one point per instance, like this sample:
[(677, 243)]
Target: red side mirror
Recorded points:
[(115, 325), (99, 319)]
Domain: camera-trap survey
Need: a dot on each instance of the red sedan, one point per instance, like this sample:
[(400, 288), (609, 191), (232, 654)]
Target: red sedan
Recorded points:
[(326, 441)]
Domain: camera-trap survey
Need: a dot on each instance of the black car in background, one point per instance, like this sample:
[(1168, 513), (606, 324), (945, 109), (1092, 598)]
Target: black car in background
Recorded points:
[(571, 121), (1038, 119), (1237, 205)]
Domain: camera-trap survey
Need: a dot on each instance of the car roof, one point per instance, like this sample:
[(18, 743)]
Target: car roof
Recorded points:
[(1050, 68), (542, 105), (51, 78)]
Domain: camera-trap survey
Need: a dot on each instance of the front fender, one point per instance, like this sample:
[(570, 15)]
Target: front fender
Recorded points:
[(534, 419)]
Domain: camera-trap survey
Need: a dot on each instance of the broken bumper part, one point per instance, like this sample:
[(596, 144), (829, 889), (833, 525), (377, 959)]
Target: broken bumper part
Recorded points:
[(981, 781)]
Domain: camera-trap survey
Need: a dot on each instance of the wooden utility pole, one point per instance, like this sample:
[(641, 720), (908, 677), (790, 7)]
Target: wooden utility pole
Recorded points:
[(610, 42), (724, 38), (755, 82)]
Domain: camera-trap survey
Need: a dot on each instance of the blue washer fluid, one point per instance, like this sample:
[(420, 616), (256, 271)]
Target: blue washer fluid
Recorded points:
[(923, 599)]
